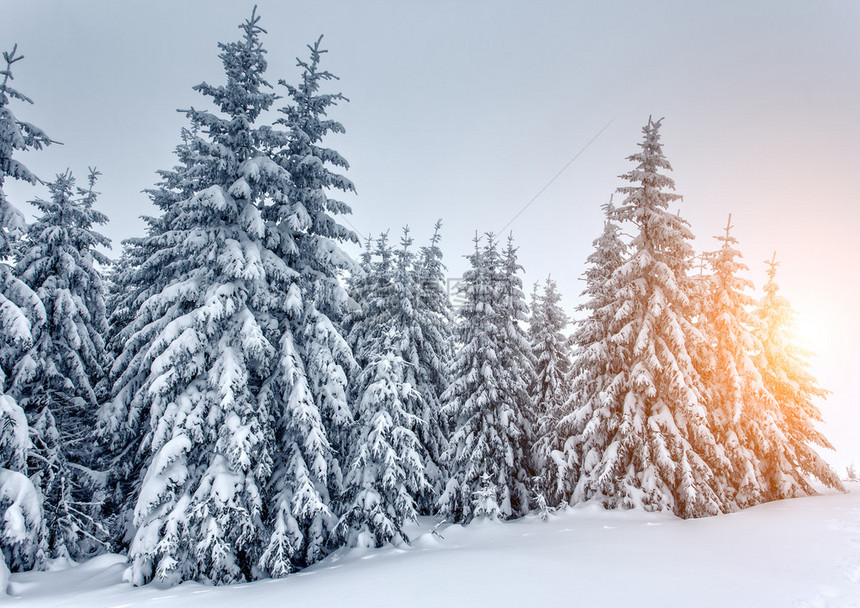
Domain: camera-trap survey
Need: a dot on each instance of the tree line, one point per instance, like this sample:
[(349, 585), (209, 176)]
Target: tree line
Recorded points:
[(238, 397)]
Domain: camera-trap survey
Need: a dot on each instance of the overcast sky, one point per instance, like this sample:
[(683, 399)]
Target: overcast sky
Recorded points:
[(465, 110)]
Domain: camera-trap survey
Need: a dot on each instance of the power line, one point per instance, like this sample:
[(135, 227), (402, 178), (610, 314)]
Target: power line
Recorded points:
[(557, 175)]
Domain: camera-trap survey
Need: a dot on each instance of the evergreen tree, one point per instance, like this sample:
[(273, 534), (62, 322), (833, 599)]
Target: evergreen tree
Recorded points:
[(189, 392), (120, 295), (309, 386), (742, 411), (134, 279), (550, 391), (21, 315), (791, 434), (59, 379), (584, 424), (657, 450), (395, 291), (517, 351), (403, 292), (372, 287), (386, 470), (487, 398), (432, 324)]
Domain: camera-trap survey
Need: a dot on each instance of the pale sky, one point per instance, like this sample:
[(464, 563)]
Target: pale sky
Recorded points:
[(465, 110)]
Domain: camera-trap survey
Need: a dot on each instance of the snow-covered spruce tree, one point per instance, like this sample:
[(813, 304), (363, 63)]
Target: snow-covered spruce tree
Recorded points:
[(21, 314), (744, 415), (190, 380), (584, 429), (658, 452), (486, 457), (550, 391), (309, 385), (386, 470), (371, 287), (432, 324), (121, 460), (403, 293), (58, 380), (388, 296), (134, 278), (517, 352), (785, 468), (120, 295)]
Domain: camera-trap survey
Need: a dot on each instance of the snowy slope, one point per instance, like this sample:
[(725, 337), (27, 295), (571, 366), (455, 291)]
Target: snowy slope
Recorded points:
[(801, 553)]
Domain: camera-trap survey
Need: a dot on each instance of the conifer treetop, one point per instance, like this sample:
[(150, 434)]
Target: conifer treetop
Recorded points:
[(662, 234), (244, 64), (15, 134)]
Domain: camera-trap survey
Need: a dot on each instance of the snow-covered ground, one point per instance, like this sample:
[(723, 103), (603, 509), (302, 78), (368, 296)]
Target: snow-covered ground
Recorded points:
[(796, 553)]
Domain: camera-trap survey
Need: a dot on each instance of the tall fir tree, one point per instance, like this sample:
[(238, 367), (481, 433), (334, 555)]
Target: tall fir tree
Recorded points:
[(408, 321), (550, 390), (786, 467), (22, 532), (203, 344), (486, 456), (658, 451), (60, 378), (309, 386)]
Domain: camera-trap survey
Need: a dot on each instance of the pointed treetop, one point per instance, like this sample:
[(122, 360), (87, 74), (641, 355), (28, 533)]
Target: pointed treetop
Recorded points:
[(405, 240), (437, 232), (10, 57), (252, 29), (608, 207), (383, 252), (244, 93), (650, 159), (316, 51), (6, 91), (312, 75), (702, 257), (366, 253), (15, 134), (728, 227), (772, 265), (726, 238)]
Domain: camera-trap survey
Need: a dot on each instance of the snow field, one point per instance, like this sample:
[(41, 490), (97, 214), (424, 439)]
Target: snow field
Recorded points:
[(800, 553)]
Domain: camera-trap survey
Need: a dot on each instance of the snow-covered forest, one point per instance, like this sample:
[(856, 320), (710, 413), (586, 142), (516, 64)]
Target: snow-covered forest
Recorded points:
[(235, 398)]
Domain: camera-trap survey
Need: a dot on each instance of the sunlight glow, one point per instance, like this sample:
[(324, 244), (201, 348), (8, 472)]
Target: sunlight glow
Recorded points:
[(814, 329)]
